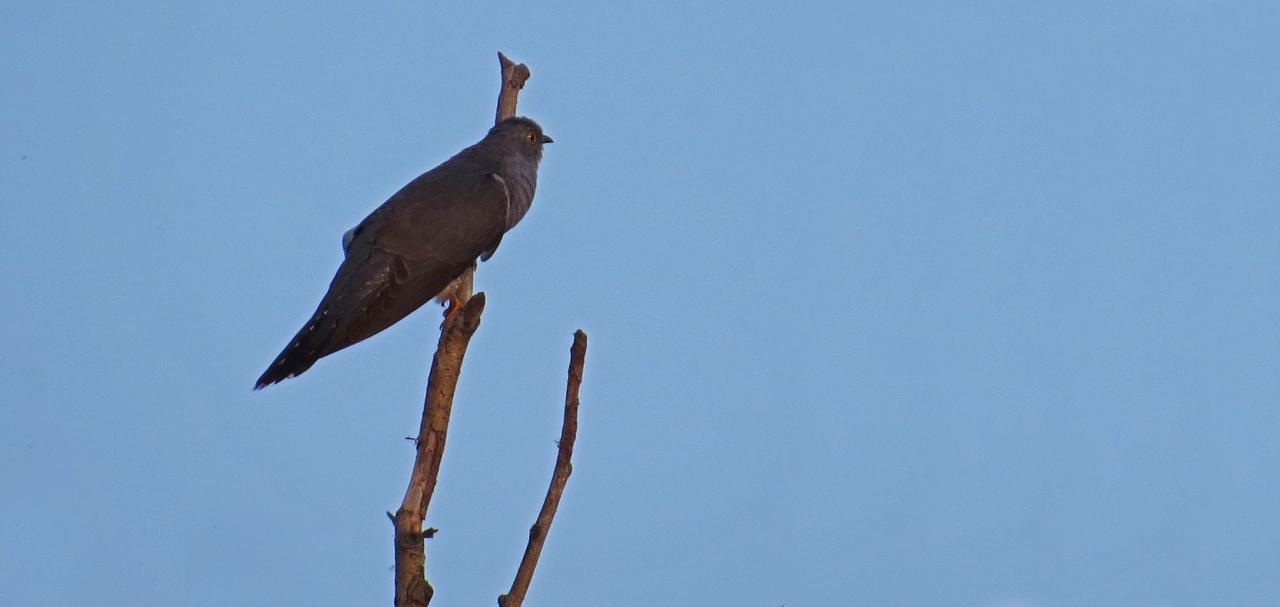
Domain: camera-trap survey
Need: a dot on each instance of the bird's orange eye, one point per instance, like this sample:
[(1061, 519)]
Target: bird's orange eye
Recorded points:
[(533, 138)]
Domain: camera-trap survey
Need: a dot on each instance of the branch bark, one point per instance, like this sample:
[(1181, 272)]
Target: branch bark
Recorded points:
[(564, 467), (412, 588)]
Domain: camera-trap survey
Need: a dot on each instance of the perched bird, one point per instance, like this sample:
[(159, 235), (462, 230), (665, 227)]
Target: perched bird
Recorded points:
[(421, 244)]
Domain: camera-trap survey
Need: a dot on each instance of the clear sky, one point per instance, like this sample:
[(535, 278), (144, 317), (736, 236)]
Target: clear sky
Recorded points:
[(890, 303)]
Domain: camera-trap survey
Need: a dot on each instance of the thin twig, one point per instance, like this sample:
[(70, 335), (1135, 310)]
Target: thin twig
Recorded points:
[(564, 467), (412, 588)]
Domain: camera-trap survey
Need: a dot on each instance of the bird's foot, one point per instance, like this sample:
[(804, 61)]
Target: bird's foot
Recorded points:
[(453, 307)]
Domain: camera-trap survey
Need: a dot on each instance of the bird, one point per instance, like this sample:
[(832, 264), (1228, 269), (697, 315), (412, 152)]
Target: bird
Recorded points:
[(421, 244)]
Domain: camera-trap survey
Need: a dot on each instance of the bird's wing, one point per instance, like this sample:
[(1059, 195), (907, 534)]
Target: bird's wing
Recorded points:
[(421, 240), (447, 218), (397, 259)]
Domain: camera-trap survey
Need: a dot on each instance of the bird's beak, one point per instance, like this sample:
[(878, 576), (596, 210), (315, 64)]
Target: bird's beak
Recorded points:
[(546, 139)]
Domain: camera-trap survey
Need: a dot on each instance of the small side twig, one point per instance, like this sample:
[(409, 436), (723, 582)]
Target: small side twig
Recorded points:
[(412, 588), (564, 467)]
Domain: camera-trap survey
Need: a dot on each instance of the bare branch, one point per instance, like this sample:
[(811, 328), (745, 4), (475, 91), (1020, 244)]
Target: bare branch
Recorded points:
[(412, 588), (514, 76), (564, 467)]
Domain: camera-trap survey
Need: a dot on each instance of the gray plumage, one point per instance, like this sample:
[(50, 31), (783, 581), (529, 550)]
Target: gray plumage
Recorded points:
[(421, 243)]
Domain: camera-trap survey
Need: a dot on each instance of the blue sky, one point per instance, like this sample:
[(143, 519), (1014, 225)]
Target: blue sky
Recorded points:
[(891, 303)]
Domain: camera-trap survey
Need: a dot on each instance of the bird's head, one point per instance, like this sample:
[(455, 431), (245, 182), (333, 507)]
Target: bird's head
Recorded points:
[(522, 134)]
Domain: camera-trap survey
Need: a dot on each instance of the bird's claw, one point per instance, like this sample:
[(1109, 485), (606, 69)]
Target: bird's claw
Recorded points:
[(451, 310)]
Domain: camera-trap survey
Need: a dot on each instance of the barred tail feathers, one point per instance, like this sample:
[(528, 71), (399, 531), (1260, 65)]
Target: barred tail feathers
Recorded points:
[(308, 346)]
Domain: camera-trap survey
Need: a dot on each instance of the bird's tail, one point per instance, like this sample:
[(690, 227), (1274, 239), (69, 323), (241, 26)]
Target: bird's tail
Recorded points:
[(303, 351)]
